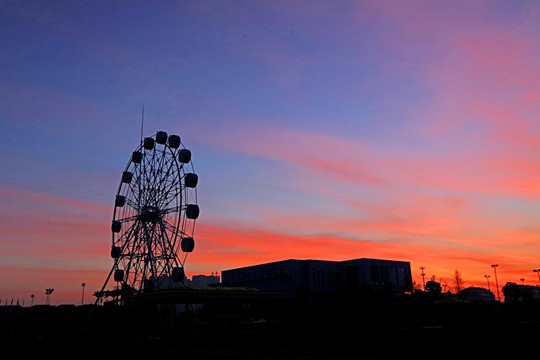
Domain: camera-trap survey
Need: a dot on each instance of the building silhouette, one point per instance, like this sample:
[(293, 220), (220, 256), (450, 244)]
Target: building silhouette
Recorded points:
[(515, 293), (473, 293), (320, 279), (203, 281)]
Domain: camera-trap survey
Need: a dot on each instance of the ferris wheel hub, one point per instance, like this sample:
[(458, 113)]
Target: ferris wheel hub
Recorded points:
[(149, 214)]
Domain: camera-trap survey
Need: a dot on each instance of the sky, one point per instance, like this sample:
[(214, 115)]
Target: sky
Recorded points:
[(331, 130)]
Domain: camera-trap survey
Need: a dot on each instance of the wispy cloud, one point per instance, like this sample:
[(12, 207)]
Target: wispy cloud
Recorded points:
[(48, 240)]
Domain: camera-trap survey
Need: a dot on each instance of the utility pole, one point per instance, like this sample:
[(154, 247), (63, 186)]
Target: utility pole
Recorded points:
[(494, 266), (82, 300), (538, 272), (48, 292), (423, 278), (487, 277)]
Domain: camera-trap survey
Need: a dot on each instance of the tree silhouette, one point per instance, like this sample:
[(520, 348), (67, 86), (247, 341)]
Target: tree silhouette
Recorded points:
[(511, 292), (433, 287), (458, 281)]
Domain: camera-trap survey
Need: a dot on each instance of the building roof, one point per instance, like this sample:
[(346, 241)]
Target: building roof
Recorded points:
[(317, 260)]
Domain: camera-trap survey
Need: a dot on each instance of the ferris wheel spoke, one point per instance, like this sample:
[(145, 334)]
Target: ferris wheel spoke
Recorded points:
[(132, 204), (128, 219), (129, 258), (172, 228), (169, 181), (172, 193), (162, 161), (164, 189), (168, 250), (171, 210), (145, 178), (126, 235), (171, 231), (131, 243)]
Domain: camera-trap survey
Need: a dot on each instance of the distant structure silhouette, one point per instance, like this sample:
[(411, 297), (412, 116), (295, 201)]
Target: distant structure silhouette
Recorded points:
[(154, 216), (521, 293), (423, 277), (48, 293), (494, 266), (433, 287), (473, 293)]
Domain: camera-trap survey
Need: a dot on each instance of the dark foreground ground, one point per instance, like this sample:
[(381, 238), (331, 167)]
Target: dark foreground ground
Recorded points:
[(365, 330)]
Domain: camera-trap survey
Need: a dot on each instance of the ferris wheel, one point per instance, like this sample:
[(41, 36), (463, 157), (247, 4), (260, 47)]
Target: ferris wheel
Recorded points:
[(154, 216)]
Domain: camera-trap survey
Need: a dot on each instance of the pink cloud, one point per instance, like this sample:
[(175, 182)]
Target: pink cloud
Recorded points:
[(471, 169), (329, 156), (15, 195), (235, 245)]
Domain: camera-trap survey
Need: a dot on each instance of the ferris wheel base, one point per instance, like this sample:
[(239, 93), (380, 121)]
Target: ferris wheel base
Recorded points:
[(192, 295)]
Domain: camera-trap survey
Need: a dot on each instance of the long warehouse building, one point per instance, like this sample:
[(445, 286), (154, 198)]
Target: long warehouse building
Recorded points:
[(302, 279)]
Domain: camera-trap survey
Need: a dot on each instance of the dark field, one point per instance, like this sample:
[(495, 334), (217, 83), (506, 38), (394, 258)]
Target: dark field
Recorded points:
[(364, 330)]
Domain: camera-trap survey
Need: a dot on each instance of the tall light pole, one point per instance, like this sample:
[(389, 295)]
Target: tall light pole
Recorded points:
[(423, 278), (48, 292), (487, 278), (494, 266), (538, 272), (82, 300)]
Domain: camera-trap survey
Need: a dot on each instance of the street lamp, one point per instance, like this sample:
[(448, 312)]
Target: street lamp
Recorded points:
[(538, 272), (487, 278), (423, 278), (82, 300), (494, 266), (48, 292)]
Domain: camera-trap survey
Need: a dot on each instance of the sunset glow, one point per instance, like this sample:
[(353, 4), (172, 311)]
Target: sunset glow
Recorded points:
[(319, 130)]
